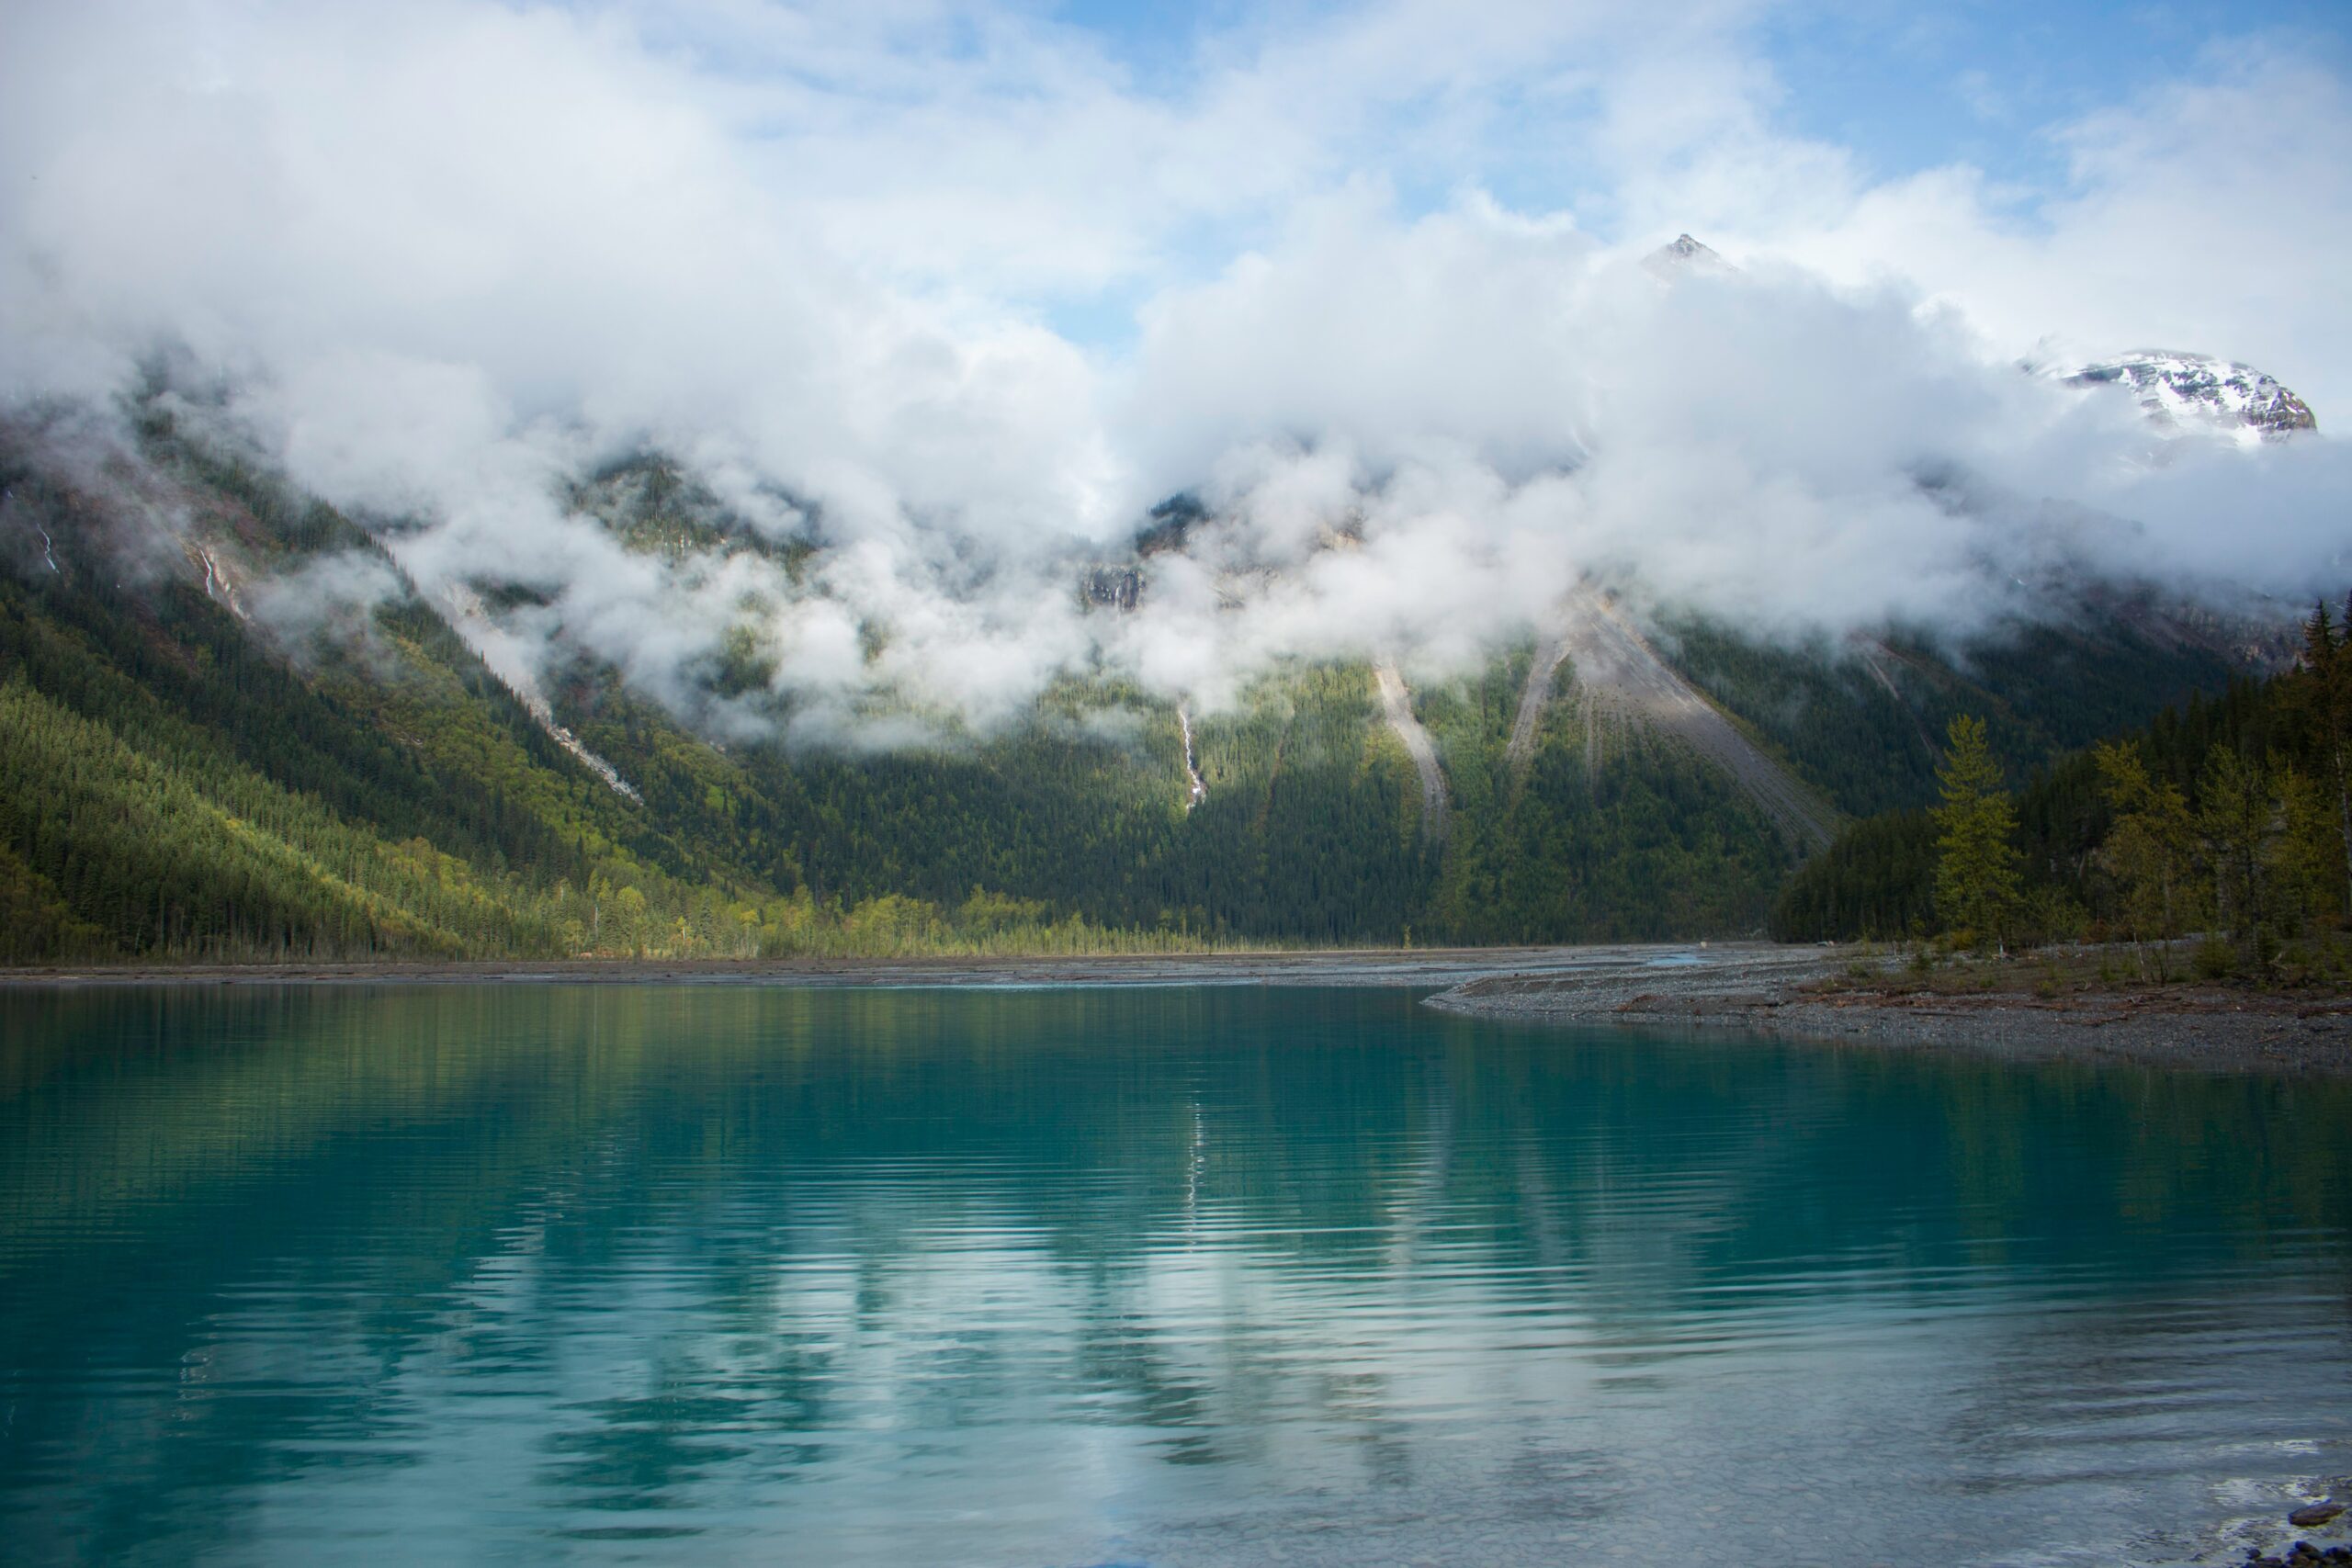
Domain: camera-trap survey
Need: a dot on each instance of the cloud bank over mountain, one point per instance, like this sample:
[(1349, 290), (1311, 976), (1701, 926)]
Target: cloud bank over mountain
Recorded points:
[(439, 260)]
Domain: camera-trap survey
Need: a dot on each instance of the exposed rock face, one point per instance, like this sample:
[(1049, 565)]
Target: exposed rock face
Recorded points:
[(1622, 678), (1114, 587), (2196, 391), (463, 608), (1396, 702)]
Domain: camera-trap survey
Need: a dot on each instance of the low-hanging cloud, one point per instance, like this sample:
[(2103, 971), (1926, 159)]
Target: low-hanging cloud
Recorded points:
[(447, 259)]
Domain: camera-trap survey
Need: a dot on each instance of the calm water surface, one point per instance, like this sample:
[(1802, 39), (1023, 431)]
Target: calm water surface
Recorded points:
[(1147, 1277)]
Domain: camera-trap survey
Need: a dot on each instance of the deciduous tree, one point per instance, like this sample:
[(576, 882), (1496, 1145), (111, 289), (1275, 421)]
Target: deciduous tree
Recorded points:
[(2239, 818), (2150, 854)]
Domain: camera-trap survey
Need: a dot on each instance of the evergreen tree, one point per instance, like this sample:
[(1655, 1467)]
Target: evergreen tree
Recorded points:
[(1977, 865), (2327, 702)]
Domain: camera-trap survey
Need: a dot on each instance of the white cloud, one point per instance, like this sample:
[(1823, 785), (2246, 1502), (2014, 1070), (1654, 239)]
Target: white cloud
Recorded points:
[(451, 252), (2209, 215)]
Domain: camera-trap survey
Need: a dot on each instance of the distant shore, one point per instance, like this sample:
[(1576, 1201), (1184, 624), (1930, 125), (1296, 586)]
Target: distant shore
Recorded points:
[(1408, 968), (1762, 989), (1830, 994)]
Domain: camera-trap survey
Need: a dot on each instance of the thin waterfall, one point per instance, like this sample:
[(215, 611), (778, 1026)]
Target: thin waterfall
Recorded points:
[(1199, 790)]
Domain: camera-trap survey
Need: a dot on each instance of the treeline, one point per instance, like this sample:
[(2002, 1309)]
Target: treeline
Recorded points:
[(1306, 832), (2229, 816), (107, 851)]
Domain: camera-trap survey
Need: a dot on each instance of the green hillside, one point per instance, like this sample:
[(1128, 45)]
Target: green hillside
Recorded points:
[(182, 777)]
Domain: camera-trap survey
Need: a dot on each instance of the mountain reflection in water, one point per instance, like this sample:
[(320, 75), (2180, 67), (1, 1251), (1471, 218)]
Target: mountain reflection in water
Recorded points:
[(1186, 1276)]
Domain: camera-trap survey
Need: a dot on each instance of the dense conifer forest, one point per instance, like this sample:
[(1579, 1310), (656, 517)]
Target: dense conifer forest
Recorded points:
[(2229, 815)]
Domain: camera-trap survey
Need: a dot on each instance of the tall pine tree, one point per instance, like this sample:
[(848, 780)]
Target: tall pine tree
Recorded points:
[(1977, 864), (2327, 693)]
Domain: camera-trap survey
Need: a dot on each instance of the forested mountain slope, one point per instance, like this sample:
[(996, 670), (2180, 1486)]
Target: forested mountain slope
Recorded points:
[(201, 757), (2227, 814)]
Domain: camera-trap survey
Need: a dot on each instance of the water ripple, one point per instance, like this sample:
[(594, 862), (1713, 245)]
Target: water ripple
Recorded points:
[(1230, 1277)]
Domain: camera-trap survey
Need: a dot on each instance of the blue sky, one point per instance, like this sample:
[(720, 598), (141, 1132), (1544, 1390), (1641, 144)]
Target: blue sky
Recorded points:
[(1895, 89), (1910, 87), (1906, 85), (1082, 163)]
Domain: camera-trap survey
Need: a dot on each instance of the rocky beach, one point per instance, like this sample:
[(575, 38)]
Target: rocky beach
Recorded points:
[(2003, 1008)]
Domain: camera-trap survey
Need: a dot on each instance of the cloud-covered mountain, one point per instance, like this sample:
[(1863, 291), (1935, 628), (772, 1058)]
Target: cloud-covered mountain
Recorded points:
[(444, 265), (233, 724), (790, 425), (2196, 391)]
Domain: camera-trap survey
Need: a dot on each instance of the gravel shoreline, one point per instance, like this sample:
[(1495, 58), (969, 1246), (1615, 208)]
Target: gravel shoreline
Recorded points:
[(1761, 989)]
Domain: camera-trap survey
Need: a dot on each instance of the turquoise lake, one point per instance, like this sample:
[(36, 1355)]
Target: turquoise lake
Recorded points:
[(1235, 1275)]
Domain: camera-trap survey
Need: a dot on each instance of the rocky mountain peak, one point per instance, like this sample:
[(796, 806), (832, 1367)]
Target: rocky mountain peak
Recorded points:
[(2196, 391), (1685, 254)]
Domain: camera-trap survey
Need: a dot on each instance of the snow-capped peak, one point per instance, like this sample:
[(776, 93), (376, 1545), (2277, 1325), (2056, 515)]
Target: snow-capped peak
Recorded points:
[(2196, 391), (1685, 254)]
